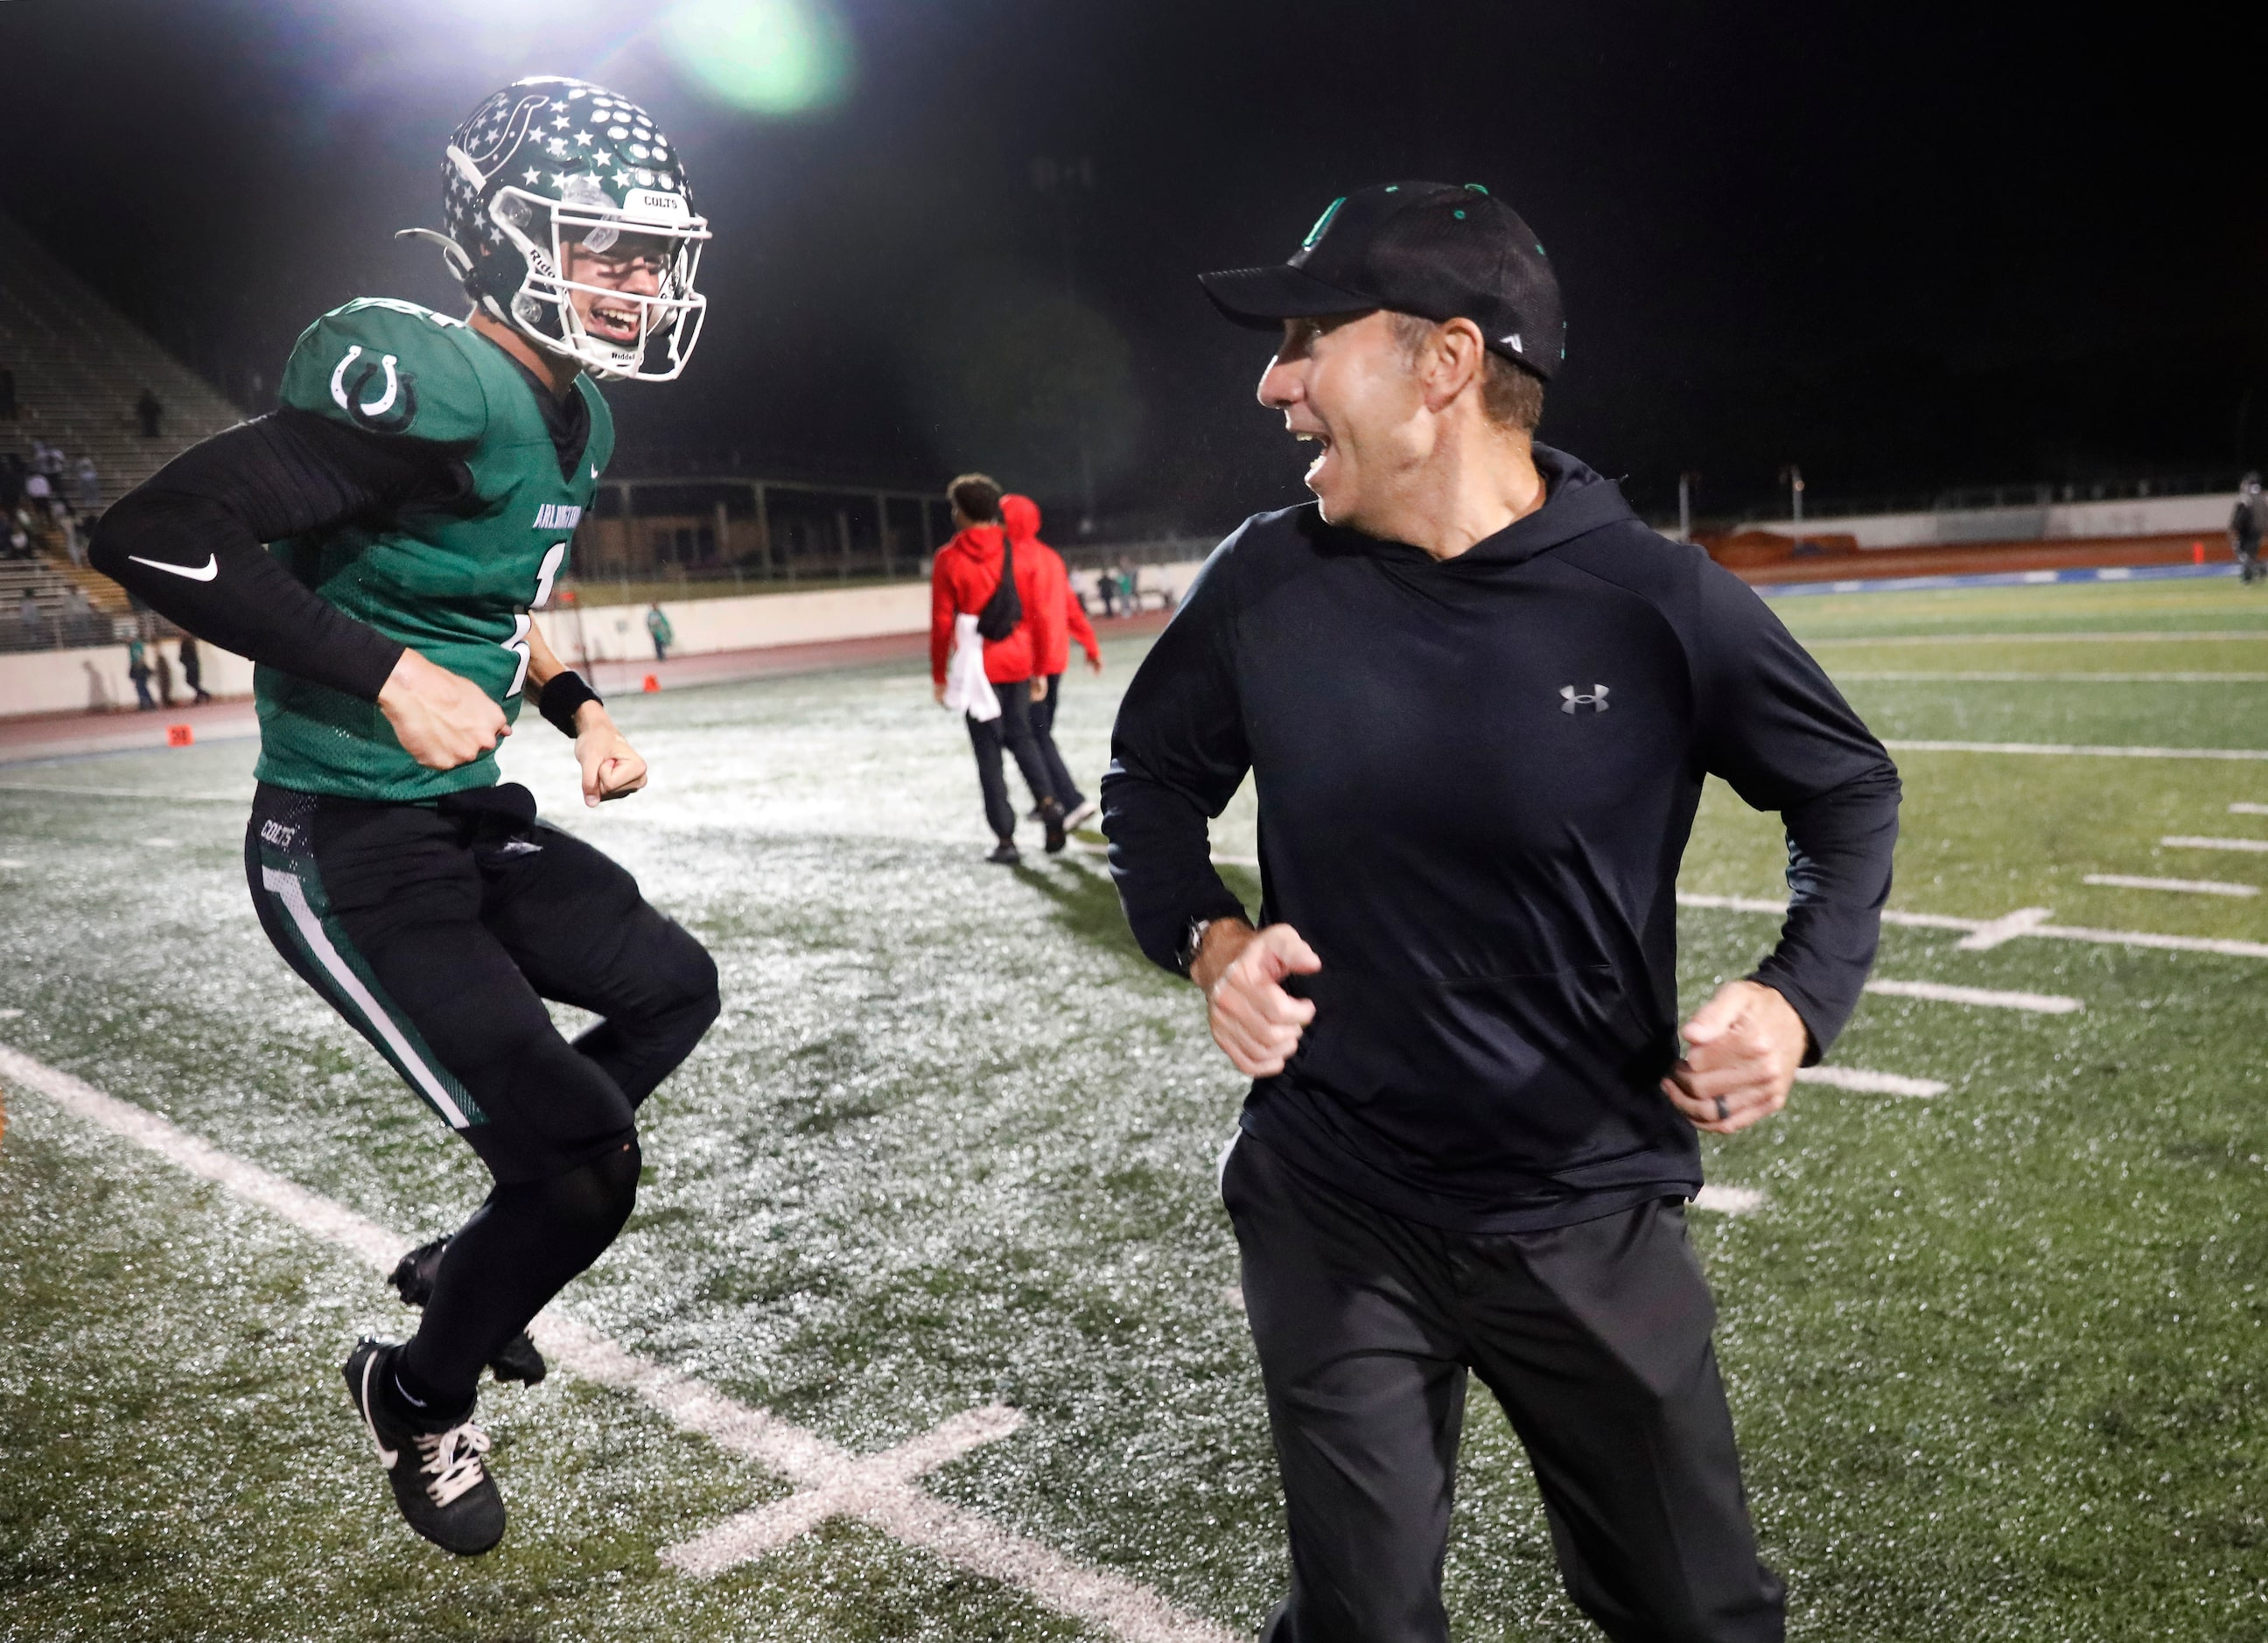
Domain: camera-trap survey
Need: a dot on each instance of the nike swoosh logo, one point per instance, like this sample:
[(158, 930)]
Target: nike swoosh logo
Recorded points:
[(204, 573), (386, 1458)]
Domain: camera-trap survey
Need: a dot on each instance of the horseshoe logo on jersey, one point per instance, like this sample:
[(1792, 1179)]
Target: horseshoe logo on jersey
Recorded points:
[(390, 410)]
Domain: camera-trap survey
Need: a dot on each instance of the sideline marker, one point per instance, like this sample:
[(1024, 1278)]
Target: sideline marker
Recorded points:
[(651, 684), (179, 735)]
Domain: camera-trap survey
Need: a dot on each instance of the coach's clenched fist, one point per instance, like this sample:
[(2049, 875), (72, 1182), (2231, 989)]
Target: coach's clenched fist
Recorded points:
[(1241, 970), (1742, 1051)]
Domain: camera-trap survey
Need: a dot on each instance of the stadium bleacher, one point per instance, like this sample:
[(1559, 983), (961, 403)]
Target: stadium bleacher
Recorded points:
[(79, 367)]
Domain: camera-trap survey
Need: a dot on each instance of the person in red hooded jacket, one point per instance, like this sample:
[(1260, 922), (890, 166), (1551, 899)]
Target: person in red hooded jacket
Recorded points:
[(962, 580), (1052, 639)]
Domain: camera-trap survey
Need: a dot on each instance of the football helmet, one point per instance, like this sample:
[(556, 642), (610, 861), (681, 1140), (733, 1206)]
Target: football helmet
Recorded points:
[(550, 176)]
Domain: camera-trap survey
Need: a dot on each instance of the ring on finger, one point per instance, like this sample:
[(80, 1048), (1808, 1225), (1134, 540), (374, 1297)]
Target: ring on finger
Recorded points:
[(1723, 1111)]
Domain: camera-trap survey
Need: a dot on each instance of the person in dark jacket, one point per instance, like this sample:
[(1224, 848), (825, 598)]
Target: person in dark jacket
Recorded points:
[(2248, 522), (193, 668), (1478, 698)]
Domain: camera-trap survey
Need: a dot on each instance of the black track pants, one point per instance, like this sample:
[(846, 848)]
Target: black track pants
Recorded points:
[(440, 930), (1596, 1340), (1043, 732), (1013, 727)]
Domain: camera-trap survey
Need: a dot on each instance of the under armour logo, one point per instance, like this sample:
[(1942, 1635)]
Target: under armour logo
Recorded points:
[(1569, 699)]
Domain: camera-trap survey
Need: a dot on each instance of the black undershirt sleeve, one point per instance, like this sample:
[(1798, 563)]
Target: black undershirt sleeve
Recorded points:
[(1178, 756), (191, 541), (1775, 727)]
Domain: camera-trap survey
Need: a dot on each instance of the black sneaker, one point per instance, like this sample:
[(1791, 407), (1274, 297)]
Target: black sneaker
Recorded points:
[(1051, 818), (1004, 854), (517, 1359), (440, 1482)]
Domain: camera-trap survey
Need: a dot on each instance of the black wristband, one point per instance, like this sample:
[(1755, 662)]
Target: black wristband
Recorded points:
[(562, 697)]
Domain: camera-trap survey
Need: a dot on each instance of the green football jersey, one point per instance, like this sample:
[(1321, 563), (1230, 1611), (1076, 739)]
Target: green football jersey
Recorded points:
[(456, 584)]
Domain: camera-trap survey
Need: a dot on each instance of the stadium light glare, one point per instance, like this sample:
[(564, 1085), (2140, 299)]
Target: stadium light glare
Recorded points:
[(764, 56)]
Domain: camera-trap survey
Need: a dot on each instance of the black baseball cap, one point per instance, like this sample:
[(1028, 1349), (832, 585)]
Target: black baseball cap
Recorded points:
[(1429, 248)]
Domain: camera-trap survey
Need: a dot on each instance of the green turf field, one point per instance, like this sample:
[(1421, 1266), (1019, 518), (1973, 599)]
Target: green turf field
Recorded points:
[(1997, 1357)]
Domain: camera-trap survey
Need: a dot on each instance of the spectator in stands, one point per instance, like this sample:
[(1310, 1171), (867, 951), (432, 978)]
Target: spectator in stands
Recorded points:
[(193, 668), (34, 626), (137, 669), (88, 483), (1020, 515), (7, 395), (2248, 523), (39, 490), (658, 629), (991, 679), (79, 614), (150, 411), (20, 534), (12, 475)]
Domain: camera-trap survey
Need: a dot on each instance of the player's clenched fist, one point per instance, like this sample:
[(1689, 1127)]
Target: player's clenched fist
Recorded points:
[(1241, 972), (441, 720), (612, 768)]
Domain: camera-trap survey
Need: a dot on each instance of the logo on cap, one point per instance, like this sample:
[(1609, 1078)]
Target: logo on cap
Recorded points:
[(1321, 223), (1514, 343), (1596, 700)]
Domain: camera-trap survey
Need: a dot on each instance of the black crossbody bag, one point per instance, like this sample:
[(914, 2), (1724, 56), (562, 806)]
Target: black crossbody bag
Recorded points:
[(1006, 608)]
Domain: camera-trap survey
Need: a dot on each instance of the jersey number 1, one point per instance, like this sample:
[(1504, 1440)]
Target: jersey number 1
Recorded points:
[(517, 644)]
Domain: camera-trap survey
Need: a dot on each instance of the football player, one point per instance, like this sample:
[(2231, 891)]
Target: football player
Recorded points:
[(376, 545)]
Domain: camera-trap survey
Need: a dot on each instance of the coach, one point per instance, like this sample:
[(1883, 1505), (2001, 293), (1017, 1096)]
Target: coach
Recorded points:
[(1478, 698)]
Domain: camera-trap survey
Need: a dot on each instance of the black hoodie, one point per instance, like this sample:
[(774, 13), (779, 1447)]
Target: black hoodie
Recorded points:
[(1477, 777)]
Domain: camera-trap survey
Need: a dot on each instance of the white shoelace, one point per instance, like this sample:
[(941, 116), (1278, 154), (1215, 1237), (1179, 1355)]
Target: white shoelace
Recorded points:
[(451, 1460)]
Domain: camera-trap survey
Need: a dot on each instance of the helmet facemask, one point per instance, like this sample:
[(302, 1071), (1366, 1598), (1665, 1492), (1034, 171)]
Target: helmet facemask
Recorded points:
[(548, 232)]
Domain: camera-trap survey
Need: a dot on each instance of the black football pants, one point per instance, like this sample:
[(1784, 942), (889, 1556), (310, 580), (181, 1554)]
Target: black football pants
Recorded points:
[(1595, 1340), (1014, 728), (1043, 732), (437, 932)]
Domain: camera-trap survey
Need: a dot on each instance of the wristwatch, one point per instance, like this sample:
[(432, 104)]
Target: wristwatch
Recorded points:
[(1192, 943)]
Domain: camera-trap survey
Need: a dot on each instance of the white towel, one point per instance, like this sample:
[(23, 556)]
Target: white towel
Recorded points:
[(967, 690)]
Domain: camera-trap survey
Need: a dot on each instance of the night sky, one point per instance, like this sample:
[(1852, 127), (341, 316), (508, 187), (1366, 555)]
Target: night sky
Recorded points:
[(1905, 247)]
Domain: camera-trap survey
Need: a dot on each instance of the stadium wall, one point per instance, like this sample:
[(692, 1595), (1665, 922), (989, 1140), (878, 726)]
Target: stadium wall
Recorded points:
[(94, 679), (2057, 521)]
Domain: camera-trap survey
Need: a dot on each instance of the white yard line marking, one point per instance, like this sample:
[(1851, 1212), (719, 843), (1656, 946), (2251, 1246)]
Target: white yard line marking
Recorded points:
[(2193, 886), (2006, 928), (879, 1490), (10, 864), (1778, 910), (2242, 808), (1983, 997), (2222, 944), (1728, 1200), (10, 1015), (1870, 1083), (2204, 636), (1921, 676), (2076, 750), (2190, 841)]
